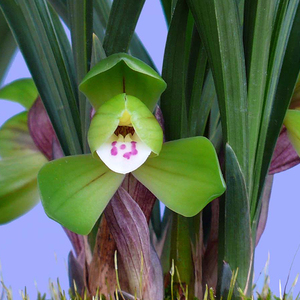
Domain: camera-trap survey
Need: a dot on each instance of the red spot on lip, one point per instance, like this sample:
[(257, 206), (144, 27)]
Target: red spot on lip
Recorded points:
[(114, 150), (132, 152), (123, 146)]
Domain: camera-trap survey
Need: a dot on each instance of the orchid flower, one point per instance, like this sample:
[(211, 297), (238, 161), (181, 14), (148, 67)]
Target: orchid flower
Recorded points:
[(20, 158), (124, 137)]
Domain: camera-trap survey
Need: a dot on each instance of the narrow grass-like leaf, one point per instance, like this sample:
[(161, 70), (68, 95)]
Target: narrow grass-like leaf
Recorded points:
[(7, 46), (34, 30), (197, 107), (98, 52), (61, 7), (227, 288), (219, 26), (100, 20), (138, 50), (264, 208), (121, 25), (166, 5), (173, 103), (101, 15), (22, 91), (259, 19), (237, 237), (284, 68), (81, 24), (181, 251)]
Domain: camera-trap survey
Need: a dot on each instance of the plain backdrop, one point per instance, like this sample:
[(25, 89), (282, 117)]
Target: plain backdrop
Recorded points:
[(34, 249)]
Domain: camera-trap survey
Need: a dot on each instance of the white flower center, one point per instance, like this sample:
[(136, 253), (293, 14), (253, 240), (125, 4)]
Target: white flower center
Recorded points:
[(124, 155)]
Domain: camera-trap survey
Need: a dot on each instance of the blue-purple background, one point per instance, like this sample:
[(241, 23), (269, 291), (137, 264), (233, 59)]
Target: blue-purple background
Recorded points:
[(34, 249)]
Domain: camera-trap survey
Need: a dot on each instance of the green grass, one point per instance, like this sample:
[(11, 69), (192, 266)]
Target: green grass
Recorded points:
[(56, 293)]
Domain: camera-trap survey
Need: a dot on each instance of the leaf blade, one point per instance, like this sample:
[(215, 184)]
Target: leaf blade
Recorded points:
[(120, 26), (34, 30)]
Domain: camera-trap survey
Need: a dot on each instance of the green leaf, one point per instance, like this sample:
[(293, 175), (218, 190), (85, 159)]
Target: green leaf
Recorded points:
[(185, 172), (15, 139), (138, 50), (61, 7), (292, 124), (219, 27), (208, 107), (259, 19), (98, 52), (123, 18), (7, 46), (166, 5), (101, 15), (22, 91), (181, 250), (173, 103), (18, 189), (75, 190), (43, 45), (121, 73), (198, 107), (284, 66), (236, 240), (225, 283), (81, 25)]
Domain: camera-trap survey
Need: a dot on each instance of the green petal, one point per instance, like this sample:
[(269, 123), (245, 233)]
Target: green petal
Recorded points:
[(122, 73), (22, 91), (18, 188), (185, 176), (292, 124), (105, 121), (75, 190), (15, 139), (145, 124), (107, 118)]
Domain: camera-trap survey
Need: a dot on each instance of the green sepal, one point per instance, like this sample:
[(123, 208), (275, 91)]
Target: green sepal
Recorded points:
[(18, 188), (22, 91), (107, 118), (15, 139), (122, 73), (185, 176), (75, 190), (292, 124)]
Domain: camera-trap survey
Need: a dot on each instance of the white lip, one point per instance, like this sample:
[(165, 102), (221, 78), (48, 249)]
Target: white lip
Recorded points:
[(123, 155)]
